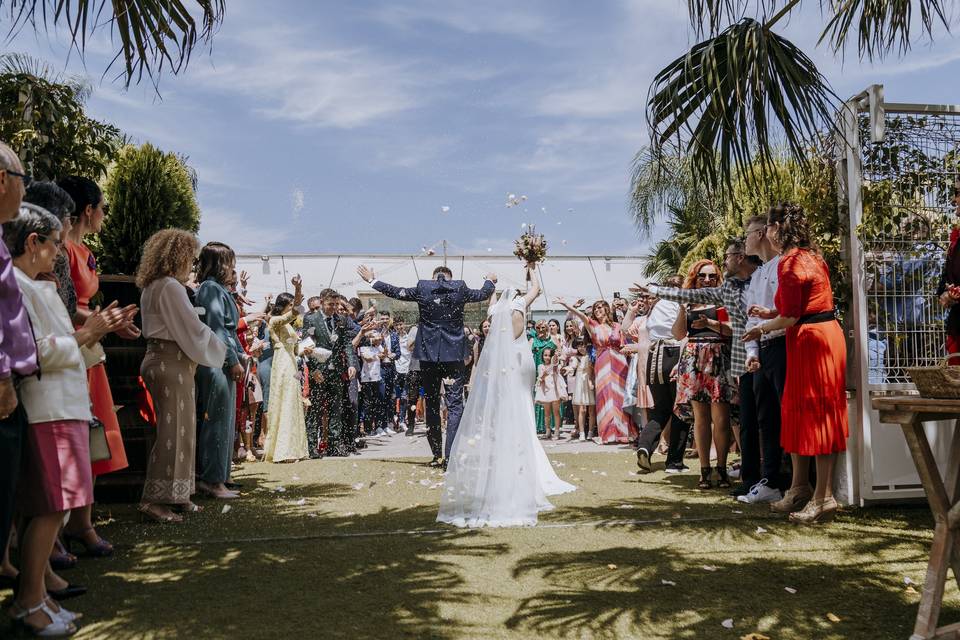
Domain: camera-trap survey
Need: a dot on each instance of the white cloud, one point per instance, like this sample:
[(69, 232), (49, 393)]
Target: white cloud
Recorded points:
[(500, 17), (241, 233)]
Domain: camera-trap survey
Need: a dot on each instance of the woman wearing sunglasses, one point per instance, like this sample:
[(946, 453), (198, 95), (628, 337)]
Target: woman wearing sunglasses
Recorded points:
[(704, 384)]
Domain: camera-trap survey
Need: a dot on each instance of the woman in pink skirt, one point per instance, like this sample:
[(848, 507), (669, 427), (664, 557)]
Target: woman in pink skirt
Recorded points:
[(56, 474)]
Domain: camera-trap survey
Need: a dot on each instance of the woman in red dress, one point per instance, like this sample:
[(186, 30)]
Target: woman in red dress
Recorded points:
[(814, 405), (88, 218)]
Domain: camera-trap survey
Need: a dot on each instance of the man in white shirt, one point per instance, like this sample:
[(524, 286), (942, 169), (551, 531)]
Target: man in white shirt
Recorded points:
[(767, 361), (413, 380), (664, 355)]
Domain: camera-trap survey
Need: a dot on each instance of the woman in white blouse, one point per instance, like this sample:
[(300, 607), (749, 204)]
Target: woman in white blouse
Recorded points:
[(177, 340), (56, 473)]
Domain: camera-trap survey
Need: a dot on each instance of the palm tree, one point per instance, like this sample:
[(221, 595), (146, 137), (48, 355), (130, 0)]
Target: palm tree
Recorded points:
[(153, 35), (744, 90)]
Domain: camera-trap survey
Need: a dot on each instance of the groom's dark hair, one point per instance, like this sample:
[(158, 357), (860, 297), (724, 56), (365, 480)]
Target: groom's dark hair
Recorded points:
[(444, 270)]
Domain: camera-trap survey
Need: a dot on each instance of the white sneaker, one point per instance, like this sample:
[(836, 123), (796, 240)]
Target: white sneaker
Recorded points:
[(583, 437), (761, 493), (401, 427)]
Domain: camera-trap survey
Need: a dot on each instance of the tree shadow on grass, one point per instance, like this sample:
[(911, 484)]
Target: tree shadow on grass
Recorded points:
[(282, 570), (620, 593)]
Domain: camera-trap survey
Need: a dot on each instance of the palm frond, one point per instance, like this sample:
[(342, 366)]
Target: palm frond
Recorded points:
[(725, 103), (708, 17), (153, 35), (21, 63), (881, 26), (657, 182)]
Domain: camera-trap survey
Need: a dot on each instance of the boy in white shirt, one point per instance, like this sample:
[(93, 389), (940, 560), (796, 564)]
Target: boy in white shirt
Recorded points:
[(371, 392)]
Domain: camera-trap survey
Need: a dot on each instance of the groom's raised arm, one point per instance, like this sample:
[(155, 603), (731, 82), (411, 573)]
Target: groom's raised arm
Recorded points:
[(407, 295), (483, 293)]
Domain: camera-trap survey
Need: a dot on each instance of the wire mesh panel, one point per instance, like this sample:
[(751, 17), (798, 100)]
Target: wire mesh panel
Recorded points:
[(908, 187)]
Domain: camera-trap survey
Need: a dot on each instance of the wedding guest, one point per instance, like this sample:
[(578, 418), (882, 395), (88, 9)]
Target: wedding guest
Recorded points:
[(948, 289), (388, 370), (177, 341), (610, 372), (47, 195), (761, 453), (18, 359), (553, 329), (540, 341), (551, 390), (286, 432), (88, 220), (264, 360), (584, 395), (216, 385), (57, 475), (703, 373), (571, 333), (814, 418), (402, 366), (661, 363), (638, 396), (413, 380), (371, 384)]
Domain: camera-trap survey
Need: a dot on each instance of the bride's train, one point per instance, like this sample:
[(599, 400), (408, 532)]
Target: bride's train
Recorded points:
[(498, 473)]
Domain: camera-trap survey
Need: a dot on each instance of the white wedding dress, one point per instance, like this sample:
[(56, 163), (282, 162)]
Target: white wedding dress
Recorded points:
[(498, 474)]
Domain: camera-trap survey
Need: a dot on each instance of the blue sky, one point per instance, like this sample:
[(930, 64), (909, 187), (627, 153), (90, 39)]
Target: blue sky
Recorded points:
[(345, 127)]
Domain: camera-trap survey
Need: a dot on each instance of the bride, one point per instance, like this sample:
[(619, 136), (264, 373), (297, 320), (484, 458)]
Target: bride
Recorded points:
[(498, 473)]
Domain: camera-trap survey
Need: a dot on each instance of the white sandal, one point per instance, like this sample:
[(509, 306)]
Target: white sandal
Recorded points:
[(58, 627)]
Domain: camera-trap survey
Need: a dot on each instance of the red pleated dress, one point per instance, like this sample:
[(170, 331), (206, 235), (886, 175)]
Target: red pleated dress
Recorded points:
[(814, 405)]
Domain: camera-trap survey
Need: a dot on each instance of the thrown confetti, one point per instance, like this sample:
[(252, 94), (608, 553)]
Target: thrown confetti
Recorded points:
[(391, 481), (295, 478), (280, 489), (907, 580), (832, 617), (425, 482), (761, 530), (301, 502), (708, 567), (668, 583), (727, 624), (444, 209), (790, 590), (358, 486), (611, 566), (226, 508)]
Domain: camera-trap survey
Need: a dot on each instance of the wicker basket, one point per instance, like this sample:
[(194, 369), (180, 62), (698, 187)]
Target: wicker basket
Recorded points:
[(942, 381)]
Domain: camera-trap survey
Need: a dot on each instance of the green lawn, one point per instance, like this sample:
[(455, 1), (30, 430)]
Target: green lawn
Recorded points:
[(370, 562)]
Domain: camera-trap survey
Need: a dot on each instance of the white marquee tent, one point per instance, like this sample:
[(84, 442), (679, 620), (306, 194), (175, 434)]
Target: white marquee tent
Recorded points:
[(589, 277)]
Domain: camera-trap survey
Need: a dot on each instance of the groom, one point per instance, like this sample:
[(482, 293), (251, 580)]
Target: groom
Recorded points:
[(441, 345)]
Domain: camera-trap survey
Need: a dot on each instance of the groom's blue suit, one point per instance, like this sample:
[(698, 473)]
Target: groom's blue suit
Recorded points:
[(440, 347)]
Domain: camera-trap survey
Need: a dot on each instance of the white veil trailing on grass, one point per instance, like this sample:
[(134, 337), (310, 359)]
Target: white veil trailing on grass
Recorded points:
[(498, 474)]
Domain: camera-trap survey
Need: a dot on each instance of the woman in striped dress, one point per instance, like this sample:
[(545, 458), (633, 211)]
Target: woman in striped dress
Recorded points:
[(611, 368)]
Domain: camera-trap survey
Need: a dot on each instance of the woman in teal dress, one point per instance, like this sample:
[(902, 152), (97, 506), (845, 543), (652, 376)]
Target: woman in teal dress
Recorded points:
[(538, 343), (216, 386)]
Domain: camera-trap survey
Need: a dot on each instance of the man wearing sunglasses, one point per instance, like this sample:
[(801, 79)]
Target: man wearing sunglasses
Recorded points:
[(738, 268), (18, 349)]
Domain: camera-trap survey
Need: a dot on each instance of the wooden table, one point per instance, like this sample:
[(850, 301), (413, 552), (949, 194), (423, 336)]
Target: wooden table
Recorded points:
[(943, 494)]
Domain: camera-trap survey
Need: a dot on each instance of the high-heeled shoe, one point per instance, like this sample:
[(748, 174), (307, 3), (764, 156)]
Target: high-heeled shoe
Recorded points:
[(815, 512), (102, 548), (63, 613), (793, 500), (61, 559), (58, 627)]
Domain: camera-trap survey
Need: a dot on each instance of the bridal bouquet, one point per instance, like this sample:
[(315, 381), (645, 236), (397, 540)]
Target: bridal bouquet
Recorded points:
[(531, 247)]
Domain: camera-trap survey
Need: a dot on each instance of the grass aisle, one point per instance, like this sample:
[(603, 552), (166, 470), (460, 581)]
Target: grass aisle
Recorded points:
[(348, 548)]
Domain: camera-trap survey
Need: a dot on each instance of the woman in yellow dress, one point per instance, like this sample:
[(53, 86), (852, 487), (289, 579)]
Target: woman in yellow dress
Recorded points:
[(286, 431)]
